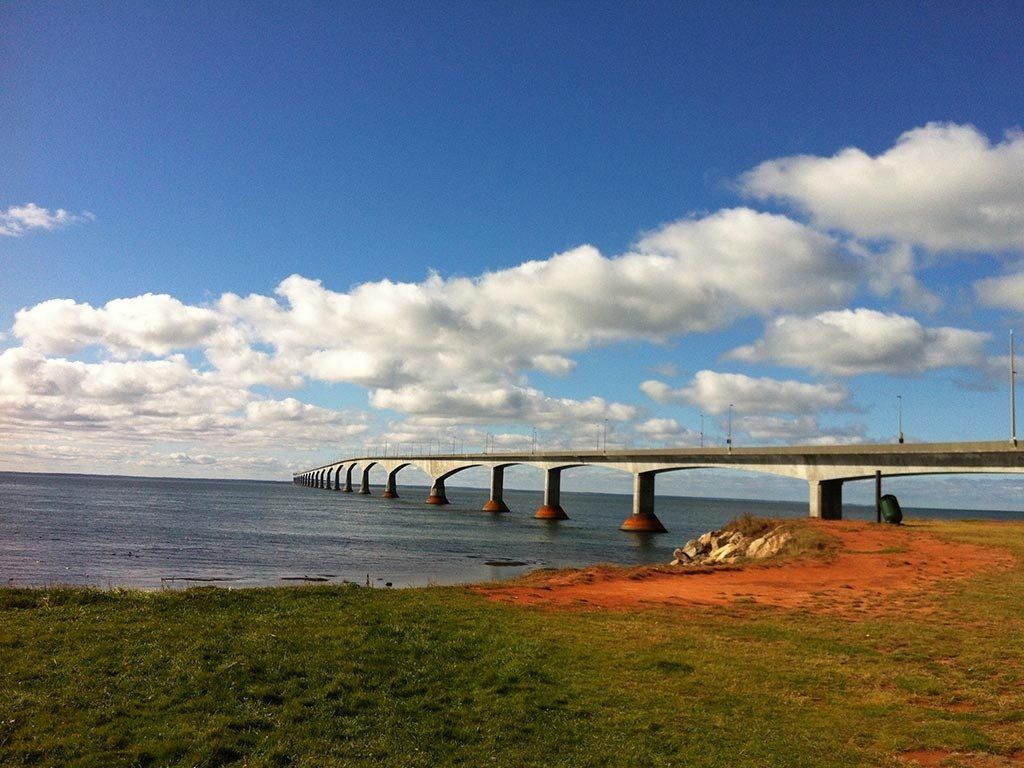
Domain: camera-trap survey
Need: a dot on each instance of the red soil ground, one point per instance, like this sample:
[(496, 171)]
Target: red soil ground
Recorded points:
[(877, 568)]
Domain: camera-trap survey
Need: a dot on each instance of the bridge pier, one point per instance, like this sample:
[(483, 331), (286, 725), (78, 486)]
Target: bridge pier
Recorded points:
[(320, 479), (437, 495), (364, 486), (348, 479), (551, 509), (496, 502), (329, 479), (643, 519), (826, 499), (391, 486), (337, 478)]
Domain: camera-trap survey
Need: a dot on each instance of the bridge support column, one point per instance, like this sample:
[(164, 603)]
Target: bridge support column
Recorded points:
[(826, 499), (348, 479), (437, 495), (364, 486), (337, 478), (391, 486), (496, 503), (320, 479), (328, 479), (643, 519), (551, 509)]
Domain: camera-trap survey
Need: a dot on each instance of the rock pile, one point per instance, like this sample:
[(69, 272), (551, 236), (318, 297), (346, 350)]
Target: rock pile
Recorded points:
[(731, 546)]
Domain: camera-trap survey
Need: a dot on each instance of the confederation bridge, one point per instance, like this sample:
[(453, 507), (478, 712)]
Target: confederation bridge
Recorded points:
[(824, 468)]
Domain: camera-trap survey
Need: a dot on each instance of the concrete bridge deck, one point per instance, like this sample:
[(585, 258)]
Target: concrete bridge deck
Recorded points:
[(824, 468)]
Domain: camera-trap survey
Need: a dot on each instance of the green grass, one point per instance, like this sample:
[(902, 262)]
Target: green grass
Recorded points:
[(325, 676)]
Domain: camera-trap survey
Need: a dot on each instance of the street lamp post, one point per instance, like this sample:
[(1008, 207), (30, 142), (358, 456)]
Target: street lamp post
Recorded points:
[(899, 417), (728, 439), (702, 430), (604, 437), (1013, 394)]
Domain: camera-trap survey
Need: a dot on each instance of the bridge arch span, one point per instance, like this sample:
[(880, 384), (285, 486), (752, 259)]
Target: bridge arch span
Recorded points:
[(391, 481), (661, 468), (438, 496), (364, 482), (921, 472)]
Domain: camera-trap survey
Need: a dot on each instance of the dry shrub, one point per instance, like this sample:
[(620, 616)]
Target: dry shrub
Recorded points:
[(805, 540), (752, 526)]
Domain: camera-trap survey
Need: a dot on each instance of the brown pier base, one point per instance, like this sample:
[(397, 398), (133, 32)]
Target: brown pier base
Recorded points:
[(494, 505), (437, 495), (550, 512), (643, 523)]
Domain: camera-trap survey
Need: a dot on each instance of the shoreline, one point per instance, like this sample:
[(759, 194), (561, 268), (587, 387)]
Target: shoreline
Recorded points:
[(618, 586)]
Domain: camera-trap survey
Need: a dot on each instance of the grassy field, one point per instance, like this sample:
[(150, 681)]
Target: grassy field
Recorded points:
[(322, 676)]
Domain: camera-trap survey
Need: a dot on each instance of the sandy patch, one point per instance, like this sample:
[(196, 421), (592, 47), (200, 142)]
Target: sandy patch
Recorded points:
[(877, 568)]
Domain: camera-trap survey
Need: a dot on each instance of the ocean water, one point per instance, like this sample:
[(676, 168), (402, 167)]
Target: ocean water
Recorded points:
[(169, 533)]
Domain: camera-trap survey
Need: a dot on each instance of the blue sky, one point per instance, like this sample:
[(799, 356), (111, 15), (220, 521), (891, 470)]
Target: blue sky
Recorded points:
[(804, 210)]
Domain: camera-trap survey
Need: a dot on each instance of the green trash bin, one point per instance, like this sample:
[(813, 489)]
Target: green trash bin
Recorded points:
[(891, 512)]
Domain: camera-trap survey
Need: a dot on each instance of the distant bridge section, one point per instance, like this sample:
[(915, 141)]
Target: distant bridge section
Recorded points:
[(824, 468)]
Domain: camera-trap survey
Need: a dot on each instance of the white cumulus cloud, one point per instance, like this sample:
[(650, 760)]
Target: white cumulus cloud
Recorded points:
[(943, 186), (152, 323), (461, 347), (855, 341), (806, 430), (153, 401), (714, 392), (1003, 292), (660, 432), (19, 219)]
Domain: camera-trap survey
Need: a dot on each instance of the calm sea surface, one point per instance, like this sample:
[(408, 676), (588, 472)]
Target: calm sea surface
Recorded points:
[(153, 532)]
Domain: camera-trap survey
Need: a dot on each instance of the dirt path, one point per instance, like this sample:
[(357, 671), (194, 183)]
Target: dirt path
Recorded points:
[(877, 569)]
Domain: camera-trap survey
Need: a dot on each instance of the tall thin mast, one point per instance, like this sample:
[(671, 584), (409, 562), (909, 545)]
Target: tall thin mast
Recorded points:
[(1013, 394)]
